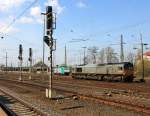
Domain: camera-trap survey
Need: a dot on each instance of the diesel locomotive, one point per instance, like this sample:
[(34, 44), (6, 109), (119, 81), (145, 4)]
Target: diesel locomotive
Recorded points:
[(112, 71)]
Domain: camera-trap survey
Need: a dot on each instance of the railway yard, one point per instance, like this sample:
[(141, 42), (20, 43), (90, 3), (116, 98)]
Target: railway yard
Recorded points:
[(74, 97), (74, 58)]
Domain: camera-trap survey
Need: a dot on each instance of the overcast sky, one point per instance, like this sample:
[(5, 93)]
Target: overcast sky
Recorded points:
[(100, 21)]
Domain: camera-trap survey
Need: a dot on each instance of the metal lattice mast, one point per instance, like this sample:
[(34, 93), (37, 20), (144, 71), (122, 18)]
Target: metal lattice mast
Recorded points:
[(121, 50), (65, 56)]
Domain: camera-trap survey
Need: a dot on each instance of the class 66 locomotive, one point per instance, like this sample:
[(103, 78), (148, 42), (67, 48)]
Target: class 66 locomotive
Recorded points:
[(112, 71)]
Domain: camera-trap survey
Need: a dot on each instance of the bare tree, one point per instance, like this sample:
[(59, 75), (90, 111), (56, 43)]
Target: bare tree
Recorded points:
[(130, 57), (111, 55), (104, 55), (115, 59), (86, 60), (92, 54), (101, 56)]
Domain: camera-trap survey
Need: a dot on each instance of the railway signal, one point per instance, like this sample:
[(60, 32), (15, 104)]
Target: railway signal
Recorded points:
[(48, 39), (49, 19), (21, 60), (30, 60), (20, 52)]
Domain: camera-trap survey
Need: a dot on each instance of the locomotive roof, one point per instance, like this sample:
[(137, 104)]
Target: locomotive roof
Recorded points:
[(93, 65), (115, 63)]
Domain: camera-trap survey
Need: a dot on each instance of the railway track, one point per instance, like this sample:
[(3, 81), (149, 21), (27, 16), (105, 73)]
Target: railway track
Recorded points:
[(103, 89), (17, 106), (142, 88), (126, 105), (131, 87)]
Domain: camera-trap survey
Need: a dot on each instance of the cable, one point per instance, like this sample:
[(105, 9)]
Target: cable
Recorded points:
[(21, 14), (125, 27)]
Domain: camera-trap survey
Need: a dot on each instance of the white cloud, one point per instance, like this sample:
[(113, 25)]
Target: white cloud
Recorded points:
[(40, 21), (35, 11), (81, 4), (56, 5), (25, 20), (4, 28), (33, 17), (6, 5), (31, 20)]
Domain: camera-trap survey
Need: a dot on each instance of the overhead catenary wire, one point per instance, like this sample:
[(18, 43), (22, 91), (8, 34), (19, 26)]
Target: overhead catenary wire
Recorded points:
[(124, 27), (20, 15), (15, 19)]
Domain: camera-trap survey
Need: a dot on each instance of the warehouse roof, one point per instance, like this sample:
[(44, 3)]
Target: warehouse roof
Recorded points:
[(147, 53)]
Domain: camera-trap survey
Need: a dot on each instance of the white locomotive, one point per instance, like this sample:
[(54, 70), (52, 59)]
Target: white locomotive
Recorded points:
[(111, 71)]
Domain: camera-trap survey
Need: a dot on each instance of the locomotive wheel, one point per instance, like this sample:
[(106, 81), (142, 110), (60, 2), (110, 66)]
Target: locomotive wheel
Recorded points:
[(125, 79), (130, 79)]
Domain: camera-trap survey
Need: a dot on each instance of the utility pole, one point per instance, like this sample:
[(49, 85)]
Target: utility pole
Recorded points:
[(6, 62), (142, 60), (43, 42), (65, 56), (121, 49), (84, 55), (79, 58)]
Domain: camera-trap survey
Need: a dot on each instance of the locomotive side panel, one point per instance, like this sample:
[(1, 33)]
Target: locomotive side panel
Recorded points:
[(90, 70), (116, 69), (102, 70)]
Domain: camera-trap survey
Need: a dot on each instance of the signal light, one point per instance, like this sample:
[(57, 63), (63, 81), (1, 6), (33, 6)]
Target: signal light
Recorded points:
[(49, 17), (29, 59), (46, 40), (48, 58), (30, 52), (20, 50), (20, 57)]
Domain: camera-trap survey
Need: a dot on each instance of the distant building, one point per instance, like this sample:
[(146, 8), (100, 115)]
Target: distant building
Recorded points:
[(146, 56), (39, 65)]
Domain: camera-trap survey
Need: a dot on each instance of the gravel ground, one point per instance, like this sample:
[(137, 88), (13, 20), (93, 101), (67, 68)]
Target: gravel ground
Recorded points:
[(68, 106)]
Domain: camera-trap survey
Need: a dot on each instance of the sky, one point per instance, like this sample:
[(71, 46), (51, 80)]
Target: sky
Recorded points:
[(100, 22)]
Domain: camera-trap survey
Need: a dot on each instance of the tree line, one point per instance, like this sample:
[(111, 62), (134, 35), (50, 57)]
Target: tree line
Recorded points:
[(105, 55)]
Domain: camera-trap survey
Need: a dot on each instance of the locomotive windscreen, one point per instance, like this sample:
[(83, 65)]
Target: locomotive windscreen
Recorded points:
[(128, 66), (78, 69)]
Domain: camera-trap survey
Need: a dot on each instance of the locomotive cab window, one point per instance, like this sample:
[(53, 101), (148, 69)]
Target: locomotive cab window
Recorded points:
[(79, 70), (128, 66)]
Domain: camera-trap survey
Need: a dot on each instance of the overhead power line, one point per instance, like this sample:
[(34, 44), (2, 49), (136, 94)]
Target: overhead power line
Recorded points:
[(124, 27), (21, 14)]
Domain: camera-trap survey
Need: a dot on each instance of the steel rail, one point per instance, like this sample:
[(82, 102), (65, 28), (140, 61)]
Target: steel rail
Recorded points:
[(7, 110), (25, 103), (133, 107)]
